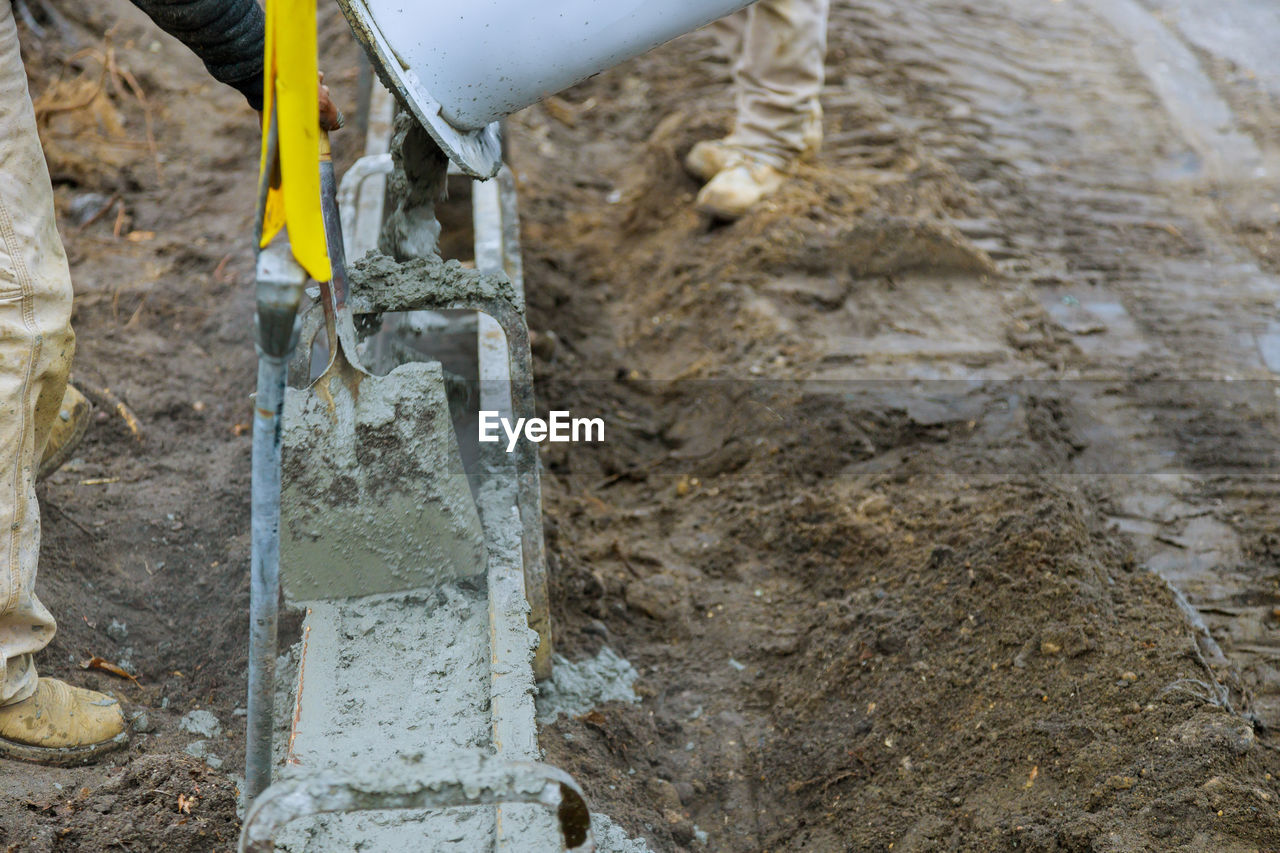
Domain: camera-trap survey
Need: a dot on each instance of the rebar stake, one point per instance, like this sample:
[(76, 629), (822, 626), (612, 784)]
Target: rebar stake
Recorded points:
[(279, 290)]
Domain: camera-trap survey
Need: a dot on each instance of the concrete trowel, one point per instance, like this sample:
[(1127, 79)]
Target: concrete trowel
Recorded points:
[(374, 497)]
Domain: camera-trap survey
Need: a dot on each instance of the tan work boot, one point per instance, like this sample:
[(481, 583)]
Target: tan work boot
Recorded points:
[(61, 725), (737, 189), (708, 158), (68, 430)]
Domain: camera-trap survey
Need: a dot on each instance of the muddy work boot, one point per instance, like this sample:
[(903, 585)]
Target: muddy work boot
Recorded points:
[(68, 430), (738, 188), (708, 158), (61, 725)]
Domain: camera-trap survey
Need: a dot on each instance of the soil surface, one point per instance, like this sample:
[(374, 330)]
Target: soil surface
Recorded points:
[(898, 469), (900, 463)]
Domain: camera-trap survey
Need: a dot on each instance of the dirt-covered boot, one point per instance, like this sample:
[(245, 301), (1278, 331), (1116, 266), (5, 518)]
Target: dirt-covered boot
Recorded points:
[(737, 189), (61, 725), (66, 433), (708, 158)]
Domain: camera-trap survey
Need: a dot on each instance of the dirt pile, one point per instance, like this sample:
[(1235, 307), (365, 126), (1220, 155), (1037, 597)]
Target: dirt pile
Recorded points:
[(862, 631), (605, 195)]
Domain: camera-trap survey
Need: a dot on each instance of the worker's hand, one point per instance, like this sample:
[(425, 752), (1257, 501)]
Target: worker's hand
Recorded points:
[(331, 117)]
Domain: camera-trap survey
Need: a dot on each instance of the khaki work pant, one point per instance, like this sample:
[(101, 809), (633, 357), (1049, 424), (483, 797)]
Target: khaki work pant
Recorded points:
[(778, 48), (36, 344)]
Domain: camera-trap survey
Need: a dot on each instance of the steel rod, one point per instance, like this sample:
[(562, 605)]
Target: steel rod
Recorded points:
[(264, 583), (279, 290)]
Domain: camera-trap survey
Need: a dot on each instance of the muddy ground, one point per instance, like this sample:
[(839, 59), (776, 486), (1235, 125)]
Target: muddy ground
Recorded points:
[(896, 467)]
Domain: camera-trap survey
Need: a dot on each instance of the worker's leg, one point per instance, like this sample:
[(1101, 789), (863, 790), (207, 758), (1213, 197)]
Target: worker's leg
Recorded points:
[(41, 719), (779, 79), (711, 155), (35, 354)]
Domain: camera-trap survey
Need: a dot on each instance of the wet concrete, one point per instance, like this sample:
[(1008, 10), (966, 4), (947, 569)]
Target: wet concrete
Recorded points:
[(577, 687), (417, 182), (384, 677), (375, 499)]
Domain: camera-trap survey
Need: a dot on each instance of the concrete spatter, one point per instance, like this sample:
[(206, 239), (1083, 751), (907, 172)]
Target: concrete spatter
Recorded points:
[(611, 838), (375, 499), (576, 688), (427, 655)]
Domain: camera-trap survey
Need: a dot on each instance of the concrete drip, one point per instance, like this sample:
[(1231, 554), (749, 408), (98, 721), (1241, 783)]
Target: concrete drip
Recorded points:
[(416, 183)]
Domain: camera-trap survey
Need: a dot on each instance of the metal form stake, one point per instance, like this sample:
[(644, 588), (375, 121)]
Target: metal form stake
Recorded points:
[(279, 289)]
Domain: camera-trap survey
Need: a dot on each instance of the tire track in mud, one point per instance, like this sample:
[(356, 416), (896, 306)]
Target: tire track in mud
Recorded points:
[(1101, 201)]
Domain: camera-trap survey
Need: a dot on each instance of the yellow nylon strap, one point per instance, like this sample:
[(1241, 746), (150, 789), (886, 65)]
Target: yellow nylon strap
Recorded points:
[(291, 88)]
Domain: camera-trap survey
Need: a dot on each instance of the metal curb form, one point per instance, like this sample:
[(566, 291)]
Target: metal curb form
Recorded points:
[(496, 297), (467, 780), (511, 777)]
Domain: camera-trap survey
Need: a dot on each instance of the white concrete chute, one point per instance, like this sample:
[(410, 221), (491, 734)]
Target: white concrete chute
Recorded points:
[(460, 69)]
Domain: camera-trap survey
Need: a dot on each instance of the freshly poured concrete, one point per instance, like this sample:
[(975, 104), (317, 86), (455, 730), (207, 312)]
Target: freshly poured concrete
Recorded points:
[(416, 182), (383, 677), (441, 671), (374, 497)]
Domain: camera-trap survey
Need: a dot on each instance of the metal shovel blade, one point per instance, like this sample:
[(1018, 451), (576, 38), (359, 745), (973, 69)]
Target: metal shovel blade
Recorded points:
[(375, 499)]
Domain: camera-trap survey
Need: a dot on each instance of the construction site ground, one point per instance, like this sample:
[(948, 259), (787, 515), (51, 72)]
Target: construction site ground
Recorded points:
[(936, 505)]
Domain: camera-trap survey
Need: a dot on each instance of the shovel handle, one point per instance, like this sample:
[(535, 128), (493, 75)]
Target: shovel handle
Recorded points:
[(332, 222)]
